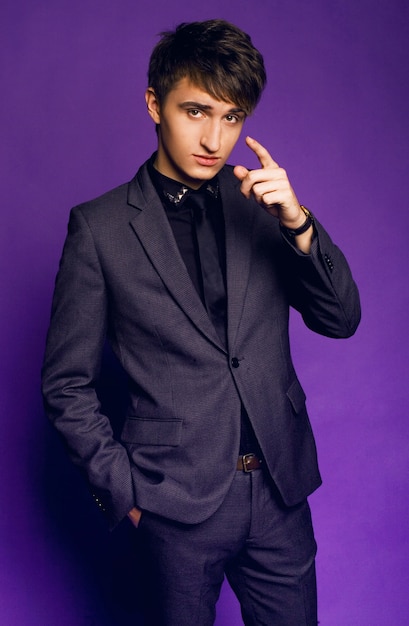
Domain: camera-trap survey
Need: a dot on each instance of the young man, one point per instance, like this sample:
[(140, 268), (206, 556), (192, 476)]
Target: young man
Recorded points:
[(189, 271)]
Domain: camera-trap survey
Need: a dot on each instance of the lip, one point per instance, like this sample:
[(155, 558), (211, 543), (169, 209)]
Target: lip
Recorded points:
[(206, 160)]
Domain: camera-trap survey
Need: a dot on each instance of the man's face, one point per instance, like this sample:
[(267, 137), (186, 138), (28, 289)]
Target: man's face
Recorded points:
[(196, 132)]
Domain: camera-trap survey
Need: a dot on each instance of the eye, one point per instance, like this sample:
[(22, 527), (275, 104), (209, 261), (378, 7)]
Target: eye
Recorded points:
[(195, 112), (233, 119)]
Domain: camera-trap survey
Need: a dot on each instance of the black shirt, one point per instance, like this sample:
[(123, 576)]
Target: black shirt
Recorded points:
[(175, 200)]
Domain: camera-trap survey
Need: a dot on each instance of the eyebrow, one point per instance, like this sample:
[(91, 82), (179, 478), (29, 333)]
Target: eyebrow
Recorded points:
[(206, 107)]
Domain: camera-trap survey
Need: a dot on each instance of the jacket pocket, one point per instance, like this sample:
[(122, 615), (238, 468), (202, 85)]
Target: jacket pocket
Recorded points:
[(296, 395), (153, 432)]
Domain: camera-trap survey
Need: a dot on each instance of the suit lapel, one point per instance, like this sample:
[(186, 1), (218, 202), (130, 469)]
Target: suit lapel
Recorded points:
[(155, 234), (238, 216)]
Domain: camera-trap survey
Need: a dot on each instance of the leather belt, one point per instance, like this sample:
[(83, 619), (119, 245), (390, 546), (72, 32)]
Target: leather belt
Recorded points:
[(248, 463)]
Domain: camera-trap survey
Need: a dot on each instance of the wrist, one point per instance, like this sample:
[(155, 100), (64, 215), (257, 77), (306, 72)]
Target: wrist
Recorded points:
[(299, 226)]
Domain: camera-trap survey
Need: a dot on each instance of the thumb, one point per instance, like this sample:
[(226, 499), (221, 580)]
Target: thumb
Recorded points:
[(240, 172)]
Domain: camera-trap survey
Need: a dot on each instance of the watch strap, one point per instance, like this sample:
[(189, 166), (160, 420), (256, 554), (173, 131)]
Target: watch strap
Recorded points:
[(294, 232)]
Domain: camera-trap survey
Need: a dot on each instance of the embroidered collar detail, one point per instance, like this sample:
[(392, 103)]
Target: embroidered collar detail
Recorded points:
[(213, 189), (176, 199)]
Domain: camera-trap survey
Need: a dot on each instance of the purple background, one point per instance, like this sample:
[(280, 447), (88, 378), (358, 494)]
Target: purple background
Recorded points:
[(335, 116)]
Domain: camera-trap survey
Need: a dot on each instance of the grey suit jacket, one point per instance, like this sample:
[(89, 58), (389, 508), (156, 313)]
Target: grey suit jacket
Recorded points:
[(121, 276)]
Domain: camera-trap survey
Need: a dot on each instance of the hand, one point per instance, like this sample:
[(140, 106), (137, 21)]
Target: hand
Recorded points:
[(135, 516), (270, 187)]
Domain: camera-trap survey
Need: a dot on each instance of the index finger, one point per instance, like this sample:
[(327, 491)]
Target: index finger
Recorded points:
[(265, 158)]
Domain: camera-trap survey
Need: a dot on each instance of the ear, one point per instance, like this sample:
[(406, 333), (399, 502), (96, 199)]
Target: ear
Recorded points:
[(153, 105)]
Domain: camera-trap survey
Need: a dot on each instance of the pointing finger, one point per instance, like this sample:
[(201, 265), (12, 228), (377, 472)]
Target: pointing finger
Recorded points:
[(265, 158)]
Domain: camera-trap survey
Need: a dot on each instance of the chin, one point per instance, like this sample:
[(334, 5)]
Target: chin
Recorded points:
[(206, 173)]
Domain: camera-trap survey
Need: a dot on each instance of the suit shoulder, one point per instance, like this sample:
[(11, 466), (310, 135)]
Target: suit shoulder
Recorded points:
[(120, 200), (106, 202)]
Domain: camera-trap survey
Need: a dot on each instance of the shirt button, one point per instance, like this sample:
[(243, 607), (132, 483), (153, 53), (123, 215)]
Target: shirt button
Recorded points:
[(235, 362)]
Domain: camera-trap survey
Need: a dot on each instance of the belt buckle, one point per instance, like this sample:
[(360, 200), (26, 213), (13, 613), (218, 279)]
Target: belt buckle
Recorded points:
[(246, 460)]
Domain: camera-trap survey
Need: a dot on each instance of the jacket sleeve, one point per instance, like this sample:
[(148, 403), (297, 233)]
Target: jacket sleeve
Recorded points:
[(71, 367), (321, 287)]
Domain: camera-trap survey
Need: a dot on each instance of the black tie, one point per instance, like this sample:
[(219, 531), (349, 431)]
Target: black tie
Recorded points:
[(214, 291)]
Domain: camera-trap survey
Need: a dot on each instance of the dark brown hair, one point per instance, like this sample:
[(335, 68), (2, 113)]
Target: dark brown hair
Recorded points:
[(216, 56)]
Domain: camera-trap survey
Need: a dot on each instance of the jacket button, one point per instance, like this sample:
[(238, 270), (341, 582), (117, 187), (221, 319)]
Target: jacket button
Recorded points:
[(235, 362)]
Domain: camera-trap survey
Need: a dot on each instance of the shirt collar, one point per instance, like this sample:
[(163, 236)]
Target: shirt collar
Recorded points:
[(173, 191)]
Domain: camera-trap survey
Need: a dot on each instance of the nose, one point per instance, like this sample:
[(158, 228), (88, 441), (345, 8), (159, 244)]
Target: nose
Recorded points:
[(211, 137)]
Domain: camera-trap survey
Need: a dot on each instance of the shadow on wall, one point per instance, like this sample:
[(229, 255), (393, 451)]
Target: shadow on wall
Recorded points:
[(103, 564)]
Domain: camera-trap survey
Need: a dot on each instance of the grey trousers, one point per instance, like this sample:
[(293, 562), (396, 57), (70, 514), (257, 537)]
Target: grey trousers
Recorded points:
[(266, 550)]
